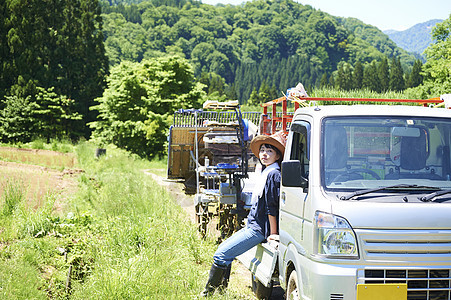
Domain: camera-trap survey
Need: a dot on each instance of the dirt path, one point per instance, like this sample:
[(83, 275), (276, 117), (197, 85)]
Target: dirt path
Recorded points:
[(175, 188)]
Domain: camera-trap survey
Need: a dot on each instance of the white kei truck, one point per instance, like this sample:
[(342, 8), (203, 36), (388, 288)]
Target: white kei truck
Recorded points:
[(365, 206)]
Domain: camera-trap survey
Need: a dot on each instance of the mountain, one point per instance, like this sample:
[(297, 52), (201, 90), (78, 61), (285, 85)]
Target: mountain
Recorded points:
[(415, 39), (259, 45)]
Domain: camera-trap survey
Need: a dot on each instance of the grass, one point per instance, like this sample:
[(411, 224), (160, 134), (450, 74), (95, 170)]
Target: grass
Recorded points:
[(159, 167), (12, 196), (120, 236), (57, 154), (50, 159)]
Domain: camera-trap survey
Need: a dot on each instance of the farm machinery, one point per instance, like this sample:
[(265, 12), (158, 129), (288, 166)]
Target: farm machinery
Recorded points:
[(208, 149)]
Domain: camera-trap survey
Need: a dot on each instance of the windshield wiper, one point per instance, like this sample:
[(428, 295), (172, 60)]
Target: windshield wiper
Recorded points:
[(430, 197), (392, 187)]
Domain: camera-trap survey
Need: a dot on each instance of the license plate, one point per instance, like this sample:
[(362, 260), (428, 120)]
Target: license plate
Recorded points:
[(388, 291)]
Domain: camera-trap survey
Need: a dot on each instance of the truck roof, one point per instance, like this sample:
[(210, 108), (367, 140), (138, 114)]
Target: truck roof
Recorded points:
[(321, 111)]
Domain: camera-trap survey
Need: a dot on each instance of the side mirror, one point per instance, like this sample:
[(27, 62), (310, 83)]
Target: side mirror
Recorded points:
[(291, 174)]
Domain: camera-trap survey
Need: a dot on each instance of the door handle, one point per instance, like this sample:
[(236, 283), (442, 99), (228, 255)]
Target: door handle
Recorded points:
[(283, 197)]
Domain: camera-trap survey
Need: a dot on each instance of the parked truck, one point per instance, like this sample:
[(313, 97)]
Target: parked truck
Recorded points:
[(365, 204)]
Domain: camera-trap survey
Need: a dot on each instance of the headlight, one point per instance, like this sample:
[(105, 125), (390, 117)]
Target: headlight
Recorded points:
[(334, 236)]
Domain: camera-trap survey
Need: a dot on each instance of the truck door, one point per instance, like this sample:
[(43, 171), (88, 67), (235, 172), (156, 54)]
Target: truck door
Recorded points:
[(293, 196)]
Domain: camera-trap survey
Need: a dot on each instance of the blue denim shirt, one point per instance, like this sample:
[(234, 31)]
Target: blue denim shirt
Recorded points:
[(267, 204)]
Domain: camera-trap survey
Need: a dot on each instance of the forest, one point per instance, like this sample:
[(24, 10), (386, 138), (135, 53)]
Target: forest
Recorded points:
[(115, 71), (235, 49)]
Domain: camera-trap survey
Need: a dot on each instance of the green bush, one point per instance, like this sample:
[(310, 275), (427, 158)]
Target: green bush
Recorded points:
[(135, 110), (38, 143)]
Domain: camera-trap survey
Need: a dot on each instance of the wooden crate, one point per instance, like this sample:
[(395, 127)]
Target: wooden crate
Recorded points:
[(182, 142)]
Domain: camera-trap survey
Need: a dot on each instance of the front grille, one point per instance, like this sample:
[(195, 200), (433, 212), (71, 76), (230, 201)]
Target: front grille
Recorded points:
[(422, 284), (336, 296), (405, 245)]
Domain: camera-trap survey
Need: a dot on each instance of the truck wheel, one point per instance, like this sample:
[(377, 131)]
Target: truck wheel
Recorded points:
[(260, 291), (292, 286)]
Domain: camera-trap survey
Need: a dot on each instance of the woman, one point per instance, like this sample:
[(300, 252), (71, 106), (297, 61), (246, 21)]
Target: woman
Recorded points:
[(262, 219)]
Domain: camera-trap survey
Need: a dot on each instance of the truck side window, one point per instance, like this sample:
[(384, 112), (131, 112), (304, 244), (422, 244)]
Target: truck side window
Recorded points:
[(299, 149)]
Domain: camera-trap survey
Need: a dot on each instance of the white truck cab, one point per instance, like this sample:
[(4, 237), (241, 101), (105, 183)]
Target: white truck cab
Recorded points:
[(365, 206)]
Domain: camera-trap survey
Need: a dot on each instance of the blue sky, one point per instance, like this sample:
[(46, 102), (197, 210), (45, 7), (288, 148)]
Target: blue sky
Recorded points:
[(384, 14)]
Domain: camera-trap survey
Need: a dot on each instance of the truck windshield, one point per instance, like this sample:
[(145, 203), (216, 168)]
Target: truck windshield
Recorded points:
[(370, 152)]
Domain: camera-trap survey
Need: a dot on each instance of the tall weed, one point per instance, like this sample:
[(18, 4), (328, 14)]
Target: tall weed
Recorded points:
[(35, 223), (13, 195), (62, 144)]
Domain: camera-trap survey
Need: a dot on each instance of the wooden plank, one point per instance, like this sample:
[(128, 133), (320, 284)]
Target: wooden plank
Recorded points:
[(221, 105)]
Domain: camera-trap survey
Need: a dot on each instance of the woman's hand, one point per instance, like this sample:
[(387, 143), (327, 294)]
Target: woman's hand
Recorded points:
[(273, 237)]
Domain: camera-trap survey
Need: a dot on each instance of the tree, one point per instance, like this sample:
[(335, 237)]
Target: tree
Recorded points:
[(370, 78), (200, 56), (45, 114), (253, 98), (5, 82), (219, 64), (264, 93), (323, 82), (135, 109), (88, 64), (437, 70), (53, 114), (340, 80), (332, 80), (27, 37), (230, 92), (54, 44), (357, 75), (344, 77), (415, 77), (16, 119), (383, 74), (214, 84), (397, 82), (124, 40), (273, 94)]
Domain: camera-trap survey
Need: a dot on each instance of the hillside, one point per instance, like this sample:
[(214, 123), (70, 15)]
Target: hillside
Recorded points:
[(415, 39), (259, 44)]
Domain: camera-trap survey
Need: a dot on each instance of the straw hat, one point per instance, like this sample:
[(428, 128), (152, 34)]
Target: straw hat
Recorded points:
[(277, 140)]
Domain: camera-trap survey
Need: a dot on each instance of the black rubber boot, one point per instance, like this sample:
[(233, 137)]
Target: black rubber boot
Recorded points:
[(225, 280), (215, 279)]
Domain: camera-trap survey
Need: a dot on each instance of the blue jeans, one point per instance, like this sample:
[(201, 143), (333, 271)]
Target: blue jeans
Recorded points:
[(237, 244)]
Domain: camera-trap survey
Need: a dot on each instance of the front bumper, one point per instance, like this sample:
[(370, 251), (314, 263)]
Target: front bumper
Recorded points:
[(319, 280)]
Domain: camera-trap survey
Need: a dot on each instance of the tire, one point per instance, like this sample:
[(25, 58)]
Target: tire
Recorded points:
[(260, 291), (293, 287)]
